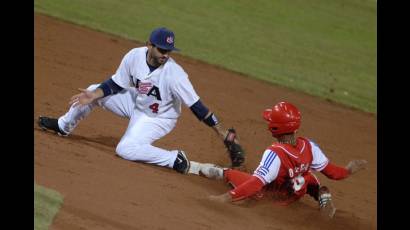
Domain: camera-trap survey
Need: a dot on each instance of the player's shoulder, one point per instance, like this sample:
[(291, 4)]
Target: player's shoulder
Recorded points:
[(278, 147), (273, 146), (138, 51), (273, 149), (309, 141), (316, 150), (271, 154), (173, 68)]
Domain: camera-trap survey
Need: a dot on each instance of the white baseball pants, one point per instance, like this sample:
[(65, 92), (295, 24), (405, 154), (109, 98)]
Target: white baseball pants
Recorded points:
[(142, 130)]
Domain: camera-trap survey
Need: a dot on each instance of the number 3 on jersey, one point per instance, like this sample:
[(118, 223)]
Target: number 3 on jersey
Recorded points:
[(154, 107)]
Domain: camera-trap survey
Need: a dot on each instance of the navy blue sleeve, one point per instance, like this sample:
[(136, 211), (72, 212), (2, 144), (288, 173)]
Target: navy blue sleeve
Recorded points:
[(110, 87), (199, 110)]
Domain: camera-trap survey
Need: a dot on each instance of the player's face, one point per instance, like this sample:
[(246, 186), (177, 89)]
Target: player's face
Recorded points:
[(158, 56)]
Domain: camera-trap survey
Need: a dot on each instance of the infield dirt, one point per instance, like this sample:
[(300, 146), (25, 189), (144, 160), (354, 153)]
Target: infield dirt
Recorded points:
[(103, 191)]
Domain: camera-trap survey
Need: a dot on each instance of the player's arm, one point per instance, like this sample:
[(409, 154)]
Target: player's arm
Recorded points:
[(247, 189), (267, 171), (122, 78), (209, 118), (116, 83), (205, 115), (106, 88), (229, 136), (321, 163), (335, 172), (109, 87), (183, 89), (86, 96)]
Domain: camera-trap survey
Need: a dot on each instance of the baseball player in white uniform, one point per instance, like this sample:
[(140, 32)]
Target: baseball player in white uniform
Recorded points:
[(148, 88)]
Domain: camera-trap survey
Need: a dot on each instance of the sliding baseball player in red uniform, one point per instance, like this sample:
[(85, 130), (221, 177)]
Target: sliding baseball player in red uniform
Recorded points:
[(285, 171)]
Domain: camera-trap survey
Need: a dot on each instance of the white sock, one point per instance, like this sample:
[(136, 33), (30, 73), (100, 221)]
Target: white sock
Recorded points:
[(194, 168)]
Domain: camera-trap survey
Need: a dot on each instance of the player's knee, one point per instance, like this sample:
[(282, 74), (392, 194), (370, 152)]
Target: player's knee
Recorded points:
[(122, 150), (128, 151)]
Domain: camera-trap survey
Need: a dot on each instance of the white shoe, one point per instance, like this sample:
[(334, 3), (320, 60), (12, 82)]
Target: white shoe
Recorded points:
[(212, 171)]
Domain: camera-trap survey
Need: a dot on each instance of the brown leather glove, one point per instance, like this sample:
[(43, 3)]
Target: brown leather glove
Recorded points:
[(235, 150)]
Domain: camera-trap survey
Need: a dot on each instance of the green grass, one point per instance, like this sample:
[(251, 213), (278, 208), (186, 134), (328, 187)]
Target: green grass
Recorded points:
[(325, 48), (47, 202)]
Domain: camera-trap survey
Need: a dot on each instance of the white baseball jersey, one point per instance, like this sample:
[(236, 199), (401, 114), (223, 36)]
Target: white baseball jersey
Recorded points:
[(151, 100), (159, 93)]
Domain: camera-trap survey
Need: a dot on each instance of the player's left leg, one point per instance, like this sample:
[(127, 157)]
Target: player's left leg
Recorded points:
[(142, 131)]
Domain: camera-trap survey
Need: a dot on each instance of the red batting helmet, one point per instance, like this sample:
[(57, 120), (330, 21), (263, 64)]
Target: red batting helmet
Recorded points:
[(283, 118)]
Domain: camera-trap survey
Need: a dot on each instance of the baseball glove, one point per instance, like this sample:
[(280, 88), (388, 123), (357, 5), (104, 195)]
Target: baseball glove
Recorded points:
[(236, 152)]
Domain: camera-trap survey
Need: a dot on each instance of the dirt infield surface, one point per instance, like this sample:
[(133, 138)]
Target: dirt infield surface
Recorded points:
[(103, 191)]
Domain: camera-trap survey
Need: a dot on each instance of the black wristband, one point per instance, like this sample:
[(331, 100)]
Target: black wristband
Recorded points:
[(109, 87), (105, 88)]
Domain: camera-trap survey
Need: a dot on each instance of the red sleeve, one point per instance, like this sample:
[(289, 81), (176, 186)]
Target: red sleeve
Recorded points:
[(247, 189), (335, 172)]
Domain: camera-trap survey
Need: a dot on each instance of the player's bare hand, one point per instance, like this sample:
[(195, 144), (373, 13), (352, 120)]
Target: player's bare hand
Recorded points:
[(356, 165), (83, 98), (224, 198)]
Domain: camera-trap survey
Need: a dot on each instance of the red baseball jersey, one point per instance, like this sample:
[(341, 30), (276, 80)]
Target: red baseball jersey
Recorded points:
[(285, 169)]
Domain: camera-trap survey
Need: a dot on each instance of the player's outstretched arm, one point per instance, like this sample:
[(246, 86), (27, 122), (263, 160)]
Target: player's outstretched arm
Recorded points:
[(335, 172), (86, 97), (247, 189), (228, 136)]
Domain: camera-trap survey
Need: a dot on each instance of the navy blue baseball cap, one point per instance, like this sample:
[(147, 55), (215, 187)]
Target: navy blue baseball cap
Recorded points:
[(163, 38)]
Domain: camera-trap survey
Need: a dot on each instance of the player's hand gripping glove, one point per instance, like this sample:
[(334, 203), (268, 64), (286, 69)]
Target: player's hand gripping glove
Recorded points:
[(236, 152)]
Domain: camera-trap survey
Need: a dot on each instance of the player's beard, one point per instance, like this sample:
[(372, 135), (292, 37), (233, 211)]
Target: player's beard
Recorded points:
[(159, 60), (155, 58)]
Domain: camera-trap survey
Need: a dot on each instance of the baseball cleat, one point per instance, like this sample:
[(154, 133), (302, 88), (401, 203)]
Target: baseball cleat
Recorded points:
[(325, 202), (47, 123), (181, 163)]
